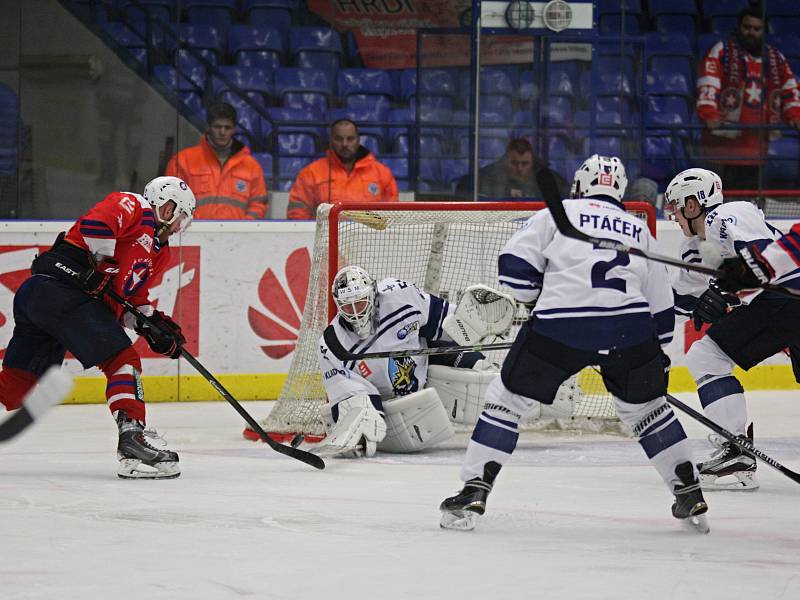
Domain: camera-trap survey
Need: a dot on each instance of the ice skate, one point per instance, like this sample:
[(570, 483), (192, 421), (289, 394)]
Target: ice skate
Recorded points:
[(463, 510), (137, 458), (689, 504), (728, 468)]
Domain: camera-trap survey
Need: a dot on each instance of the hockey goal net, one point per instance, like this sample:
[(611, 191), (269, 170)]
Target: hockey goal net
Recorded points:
[(443, 248)]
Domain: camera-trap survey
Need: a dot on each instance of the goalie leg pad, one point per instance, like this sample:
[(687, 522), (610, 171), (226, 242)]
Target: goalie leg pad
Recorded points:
[(357, 431), (415, 422), (462, 391)]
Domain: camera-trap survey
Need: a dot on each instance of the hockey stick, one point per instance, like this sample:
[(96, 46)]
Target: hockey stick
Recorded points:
[(741, 442), (344, 355), (550, 193), (50, 390), (301, 455)]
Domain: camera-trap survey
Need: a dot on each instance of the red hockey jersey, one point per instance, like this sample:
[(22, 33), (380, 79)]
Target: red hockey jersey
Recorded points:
[(123, 225), (730, 87)]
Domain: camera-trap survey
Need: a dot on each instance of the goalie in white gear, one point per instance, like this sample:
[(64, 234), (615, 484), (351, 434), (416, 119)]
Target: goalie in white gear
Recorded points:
[(392, 404), (744, 331), (593, 307)]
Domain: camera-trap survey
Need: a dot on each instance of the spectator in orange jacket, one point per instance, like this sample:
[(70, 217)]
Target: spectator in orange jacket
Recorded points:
[(742, 80), (227, 181), (347, 173)]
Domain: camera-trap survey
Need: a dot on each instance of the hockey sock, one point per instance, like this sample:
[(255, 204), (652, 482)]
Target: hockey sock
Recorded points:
[(14, 384), (124, 386), (495, 435), (723, 401)]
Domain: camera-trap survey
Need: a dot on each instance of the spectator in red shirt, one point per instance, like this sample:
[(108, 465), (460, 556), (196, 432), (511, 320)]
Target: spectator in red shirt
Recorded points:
[(744, 81)]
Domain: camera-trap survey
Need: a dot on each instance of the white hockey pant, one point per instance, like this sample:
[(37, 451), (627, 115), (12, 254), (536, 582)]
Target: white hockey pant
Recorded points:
[(721, 394), (660, 435), (495, 435)]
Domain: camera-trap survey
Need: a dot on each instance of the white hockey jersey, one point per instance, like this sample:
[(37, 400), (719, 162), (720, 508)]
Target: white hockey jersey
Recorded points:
[(730, 226), (591, 298), (405, 318)]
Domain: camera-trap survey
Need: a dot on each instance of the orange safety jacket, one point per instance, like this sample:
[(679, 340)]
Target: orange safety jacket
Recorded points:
[(235, 190), (326, 180)]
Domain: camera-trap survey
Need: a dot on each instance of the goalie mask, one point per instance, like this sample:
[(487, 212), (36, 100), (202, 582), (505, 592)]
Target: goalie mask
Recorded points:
[(354, 292), (159, 192), (600, 176)]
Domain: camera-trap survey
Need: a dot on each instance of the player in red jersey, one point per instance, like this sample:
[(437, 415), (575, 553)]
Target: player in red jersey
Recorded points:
[(120, 244)]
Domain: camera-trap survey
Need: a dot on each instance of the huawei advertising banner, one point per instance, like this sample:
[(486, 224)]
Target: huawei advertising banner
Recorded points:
[(238, 290)]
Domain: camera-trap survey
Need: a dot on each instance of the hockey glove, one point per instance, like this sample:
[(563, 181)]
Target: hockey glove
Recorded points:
[(95, 281), (711, 306), (746, 271), (164, 337)]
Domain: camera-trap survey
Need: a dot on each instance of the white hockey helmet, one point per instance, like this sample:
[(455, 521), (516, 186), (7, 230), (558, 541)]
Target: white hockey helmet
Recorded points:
[(600, 176), (163, 189), (354, 292), (701, 184)]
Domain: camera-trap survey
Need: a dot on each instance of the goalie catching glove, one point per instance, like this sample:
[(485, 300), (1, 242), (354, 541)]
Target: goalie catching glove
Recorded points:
[(483, 316)]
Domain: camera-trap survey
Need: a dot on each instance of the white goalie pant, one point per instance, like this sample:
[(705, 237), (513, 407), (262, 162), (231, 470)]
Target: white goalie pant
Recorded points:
[(462, 391), (415, 422)]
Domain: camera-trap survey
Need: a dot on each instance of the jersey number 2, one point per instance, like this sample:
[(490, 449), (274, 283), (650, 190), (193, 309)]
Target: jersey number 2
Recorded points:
[(600, 271)]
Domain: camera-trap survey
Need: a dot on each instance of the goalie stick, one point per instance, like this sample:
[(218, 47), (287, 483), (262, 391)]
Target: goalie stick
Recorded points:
[(292, 452), (553, 201), (50, 390), (741, 442), (344, 355)]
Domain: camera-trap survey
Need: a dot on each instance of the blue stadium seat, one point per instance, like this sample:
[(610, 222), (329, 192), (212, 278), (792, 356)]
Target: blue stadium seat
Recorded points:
[(218, 13), (294, 144), (558, 148), (789, 45), (437, 89), (562, 81), (256, 46), (251, 126), (557, 112), (253, 82), (157, 9), (399, 168), (661, 66), (173, 80), (605, 145), (704, 43), (785, 25), (528, 91), (499, 105), (365, 81), (723, 25), (783, 162), (452, 170), (289, 167), (288, 121), (275, 13), (612, 75), (496, 81), (725, 8), (204, 39), (614, 7), (666, 83), (673, 43), (664, 155), (491, 147), (668, 104), (315, 47), (126, 37), (430, 174), (782, 8), (300, 88), (616, 24), (264, 159), (672, 7), (677, 24)]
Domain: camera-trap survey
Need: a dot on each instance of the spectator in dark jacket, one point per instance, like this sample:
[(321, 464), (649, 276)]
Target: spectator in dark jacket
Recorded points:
[(513, 176)]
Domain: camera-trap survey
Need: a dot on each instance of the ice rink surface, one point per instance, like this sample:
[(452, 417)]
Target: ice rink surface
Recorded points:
[(571, 517)]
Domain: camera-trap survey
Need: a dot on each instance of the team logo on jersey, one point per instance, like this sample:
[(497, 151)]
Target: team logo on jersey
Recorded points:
[(404, 331), (137, 276), (364, 369), (278, 319), (373, 189), (731, 99), (402, 377), (146, 242), (241, 186)]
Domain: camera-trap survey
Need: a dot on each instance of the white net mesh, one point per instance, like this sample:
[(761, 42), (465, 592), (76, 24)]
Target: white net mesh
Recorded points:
[(443, 248)]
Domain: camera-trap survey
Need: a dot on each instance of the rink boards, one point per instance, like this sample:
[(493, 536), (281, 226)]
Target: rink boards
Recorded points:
[(238, 291)]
